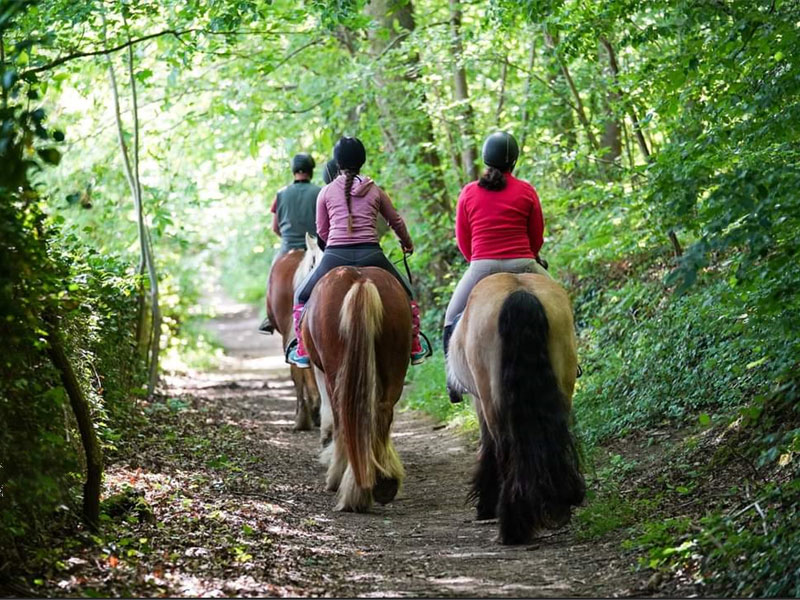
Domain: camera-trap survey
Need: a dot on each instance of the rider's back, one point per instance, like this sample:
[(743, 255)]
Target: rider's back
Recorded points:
[(295, 206), (367, 201), (502, 224)]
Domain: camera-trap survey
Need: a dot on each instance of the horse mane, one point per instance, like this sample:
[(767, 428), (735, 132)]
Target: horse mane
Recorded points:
[(309, 262)]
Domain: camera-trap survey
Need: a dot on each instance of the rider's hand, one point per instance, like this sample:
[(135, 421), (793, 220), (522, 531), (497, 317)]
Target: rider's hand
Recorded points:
[(407, 249)]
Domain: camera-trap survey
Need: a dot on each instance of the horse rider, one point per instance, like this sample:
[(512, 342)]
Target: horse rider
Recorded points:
[(330, 171), (347, 211), (294, 212), (499, 225)]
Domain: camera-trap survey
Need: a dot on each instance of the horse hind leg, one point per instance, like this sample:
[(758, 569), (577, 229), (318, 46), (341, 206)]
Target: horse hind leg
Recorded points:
[(302, 416), (486, 483), (325, 410), (390, 475), (389, 472), (352, 497), (312, 397), (335, 457), (516, 515)]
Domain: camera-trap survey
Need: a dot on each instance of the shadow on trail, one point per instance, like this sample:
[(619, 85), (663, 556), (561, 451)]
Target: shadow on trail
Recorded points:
[(225, 499)]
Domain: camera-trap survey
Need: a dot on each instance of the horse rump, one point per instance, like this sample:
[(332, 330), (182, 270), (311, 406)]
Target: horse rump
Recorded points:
[(536, 450)]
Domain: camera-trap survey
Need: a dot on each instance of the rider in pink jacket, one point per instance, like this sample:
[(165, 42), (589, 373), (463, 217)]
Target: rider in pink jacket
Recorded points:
[(347, 225)]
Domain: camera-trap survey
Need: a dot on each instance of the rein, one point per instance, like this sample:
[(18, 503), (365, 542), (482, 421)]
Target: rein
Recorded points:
[(408, 269), (405, 264), (411, 282)]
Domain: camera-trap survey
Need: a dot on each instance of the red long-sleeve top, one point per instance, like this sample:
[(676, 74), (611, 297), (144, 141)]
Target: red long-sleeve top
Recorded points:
[(500, 224)]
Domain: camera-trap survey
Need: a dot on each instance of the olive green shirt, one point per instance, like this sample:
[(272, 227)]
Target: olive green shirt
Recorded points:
[(295, 207)]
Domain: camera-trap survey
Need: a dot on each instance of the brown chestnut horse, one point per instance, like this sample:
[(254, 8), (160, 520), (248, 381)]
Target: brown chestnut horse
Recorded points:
[(287, 269), (514, 351), (357, 330)]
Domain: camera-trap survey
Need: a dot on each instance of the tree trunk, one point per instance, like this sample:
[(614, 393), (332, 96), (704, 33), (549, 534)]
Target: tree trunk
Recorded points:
[(498, 114), (91, 446), (611, 140), (469, 154), (614, 67), (155, 342), (420, 130), (579, 108), (526, 96), (134, 183)]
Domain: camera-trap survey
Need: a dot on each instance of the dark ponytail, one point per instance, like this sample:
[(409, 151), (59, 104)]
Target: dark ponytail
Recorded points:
[(349, 175), (493, 179)]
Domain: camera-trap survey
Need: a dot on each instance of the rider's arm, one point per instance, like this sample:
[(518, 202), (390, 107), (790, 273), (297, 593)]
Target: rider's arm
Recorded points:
[(275, 224), (536, 224), (463, 228), (323, 219), (395, 220)]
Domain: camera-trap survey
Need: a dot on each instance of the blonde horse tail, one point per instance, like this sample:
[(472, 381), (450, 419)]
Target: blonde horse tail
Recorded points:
[(539, 453), (357, 385)]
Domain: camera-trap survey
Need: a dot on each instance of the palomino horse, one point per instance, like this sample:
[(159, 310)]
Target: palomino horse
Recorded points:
[(287, 270), (514, 351), (357, 331)]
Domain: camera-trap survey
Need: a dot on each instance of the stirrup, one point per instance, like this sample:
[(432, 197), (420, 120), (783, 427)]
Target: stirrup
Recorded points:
[(419, 357), (302, 362)]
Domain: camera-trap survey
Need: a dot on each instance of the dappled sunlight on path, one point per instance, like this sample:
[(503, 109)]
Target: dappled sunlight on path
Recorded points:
[(221, 497)]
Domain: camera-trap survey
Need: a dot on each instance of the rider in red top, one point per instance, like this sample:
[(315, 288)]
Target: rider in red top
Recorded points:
[(499, 226)]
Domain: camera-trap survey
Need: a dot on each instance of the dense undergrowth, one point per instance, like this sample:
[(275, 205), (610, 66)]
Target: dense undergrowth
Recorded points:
[(687, 411), (688, 404)]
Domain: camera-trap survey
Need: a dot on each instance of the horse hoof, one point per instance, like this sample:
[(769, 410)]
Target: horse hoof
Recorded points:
[(514, 539), (486, 515), (558, 517), (385, 489)]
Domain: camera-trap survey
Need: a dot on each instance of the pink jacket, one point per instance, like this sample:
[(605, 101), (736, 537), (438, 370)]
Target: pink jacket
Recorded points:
[(366, 201)]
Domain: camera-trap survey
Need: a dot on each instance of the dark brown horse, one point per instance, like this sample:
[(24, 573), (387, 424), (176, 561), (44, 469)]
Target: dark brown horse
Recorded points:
[(280, 293), (514, 351), (357, 330)]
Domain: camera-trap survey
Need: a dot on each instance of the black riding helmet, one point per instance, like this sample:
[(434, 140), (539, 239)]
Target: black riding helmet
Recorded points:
[(303, 162), (349, 153), (330, 171), (500, 150)]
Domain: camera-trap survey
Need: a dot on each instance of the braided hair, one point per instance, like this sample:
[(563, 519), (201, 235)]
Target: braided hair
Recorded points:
[(349, 175), (350, 155)]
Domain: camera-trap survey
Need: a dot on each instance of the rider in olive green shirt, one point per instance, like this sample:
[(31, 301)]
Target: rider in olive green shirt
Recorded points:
[(294, 209), (294, 213)]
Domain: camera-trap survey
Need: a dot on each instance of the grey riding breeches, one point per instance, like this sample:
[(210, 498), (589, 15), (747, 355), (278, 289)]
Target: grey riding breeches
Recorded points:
[(478, 269)]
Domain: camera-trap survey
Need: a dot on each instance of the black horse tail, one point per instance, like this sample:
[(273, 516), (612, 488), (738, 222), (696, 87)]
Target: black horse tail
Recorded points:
[(537, 451)]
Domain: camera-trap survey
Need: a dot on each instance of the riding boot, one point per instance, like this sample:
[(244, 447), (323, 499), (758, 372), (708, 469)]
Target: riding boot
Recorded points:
[(419, 351), (448, 331), (266, 327), (297, 354), (455, 397)]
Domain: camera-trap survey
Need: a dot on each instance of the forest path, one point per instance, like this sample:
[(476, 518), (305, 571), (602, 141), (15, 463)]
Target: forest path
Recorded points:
[(240, 506)]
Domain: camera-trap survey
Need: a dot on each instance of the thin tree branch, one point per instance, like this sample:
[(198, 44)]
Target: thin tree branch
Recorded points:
[(526, 96), (502, 95), (107, 51), (177, 33)]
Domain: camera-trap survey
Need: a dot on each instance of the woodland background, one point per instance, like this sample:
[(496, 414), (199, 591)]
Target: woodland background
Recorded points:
[(142, 143)]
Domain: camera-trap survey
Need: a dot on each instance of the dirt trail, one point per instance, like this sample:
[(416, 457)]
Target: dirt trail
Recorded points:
[(240, 507)]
